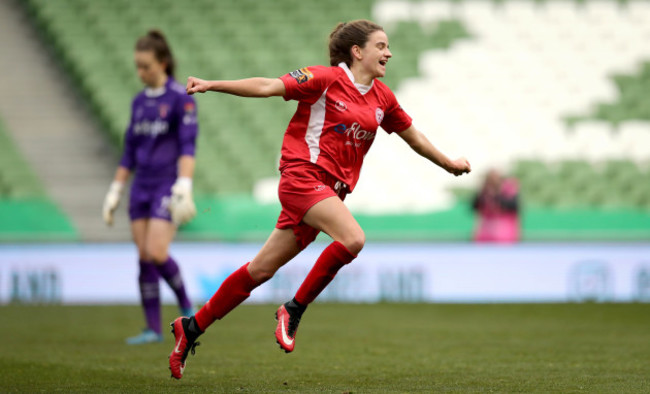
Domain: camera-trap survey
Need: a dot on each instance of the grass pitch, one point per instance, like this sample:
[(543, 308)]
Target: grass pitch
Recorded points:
[(340, 348)]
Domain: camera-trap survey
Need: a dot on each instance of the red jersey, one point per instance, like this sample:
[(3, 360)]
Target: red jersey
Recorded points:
[(336, 120)]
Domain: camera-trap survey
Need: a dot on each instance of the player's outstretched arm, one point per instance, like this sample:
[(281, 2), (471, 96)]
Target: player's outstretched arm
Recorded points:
[(421, 144), (250, 87)]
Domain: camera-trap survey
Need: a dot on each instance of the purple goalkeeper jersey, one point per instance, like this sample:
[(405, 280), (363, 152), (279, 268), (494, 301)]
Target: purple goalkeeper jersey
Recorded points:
[(163, 127)]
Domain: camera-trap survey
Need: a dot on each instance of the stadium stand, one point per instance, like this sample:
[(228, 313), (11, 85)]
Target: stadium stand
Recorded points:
[(52, 128), (554, 92), (26, 211), (16, 178), (561, 83)]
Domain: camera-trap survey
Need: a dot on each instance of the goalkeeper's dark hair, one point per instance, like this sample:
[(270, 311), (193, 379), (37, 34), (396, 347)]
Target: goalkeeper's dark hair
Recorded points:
[(348, 34), (156, 42)]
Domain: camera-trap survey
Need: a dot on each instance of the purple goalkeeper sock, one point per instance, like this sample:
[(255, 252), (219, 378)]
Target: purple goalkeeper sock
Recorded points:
[(172, 275), (150, 295)]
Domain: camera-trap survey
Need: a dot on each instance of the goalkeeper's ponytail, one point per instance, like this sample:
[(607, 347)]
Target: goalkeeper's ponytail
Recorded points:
[(156, 42)]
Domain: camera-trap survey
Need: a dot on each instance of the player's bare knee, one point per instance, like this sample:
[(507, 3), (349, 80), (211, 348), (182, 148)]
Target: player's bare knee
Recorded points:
[(260, 275), (143, 255), (355, 241), (157, 256)]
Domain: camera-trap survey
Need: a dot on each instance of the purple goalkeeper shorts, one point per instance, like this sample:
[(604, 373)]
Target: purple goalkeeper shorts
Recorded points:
[(150, 200)]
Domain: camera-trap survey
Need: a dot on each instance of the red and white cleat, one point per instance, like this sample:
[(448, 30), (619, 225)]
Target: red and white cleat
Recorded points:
[(285, 333), (183, 345)]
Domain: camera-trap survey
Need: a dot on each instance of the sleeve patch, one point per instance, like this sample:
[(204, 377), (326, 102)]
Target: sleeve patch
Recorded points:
[(189, 107), (302, 75)]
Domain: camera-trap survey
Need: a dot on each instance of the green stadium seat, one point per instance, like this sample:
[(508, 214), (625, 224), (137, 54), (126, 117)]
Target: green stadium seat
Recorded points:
[(575, 172), (17, 180)]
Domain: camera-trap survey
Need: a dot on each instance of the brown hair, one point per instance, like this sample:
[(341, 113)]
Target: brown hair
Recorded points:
[(348, 34), (156, 42)]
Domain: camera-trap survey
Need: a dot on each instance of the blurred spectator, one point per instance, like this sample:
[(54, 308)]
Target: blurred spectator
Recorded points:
[(497, 206)]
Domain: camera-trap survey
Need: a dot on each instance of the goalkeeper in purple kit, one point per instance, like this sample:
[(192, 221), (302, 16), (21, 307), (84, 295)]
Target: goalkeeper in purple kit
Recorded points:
[(159, 146)]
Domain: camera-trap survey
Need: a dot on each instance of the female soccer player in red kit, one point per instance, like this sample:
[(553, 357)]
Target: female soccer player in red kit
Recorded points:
[(339, 110)]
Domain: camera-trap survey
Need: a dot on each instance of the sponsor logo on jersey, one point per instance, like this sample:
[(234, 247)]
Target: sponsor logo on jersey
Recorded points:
[(379, 115), (302, 75), (354, 132), (340, 105), (152, 128), (357, 133)]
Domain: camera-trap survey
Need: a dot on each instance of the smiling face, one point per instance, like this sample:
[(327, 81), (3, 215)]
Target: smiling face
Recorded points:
[(374, 55)]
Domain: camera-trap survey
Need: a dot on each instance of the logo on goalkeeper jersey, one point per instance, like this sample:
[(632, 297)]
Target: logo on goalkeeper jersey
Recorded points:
[(153, 129), (190, 113), (163, 110)]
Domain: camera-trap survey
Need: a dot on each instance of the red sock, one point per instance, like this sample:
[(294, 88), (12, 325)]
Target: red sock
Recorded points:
[(328, 264), (232, 292)]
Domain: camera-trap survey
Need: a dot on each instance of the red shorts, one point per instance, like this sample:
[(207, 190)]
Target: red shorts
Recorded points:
[(302, 186)]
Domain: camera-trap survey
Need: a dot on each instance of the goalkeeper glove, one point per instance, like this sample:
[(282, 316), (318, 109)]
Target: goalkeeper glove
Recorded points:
[(182, 206), (111, 201)]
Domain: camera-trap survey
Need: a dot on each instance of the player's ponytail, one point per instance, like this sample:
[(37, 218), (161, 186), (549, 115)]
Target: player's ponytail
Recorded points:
[(346, 35), (156, 42)]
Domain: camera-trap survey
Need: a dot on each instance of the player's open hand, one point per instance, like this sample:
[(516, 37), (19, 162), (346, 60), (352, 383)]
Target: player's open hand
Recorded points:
[(111, 201), (196, 85), (459, 166), (182, 206)]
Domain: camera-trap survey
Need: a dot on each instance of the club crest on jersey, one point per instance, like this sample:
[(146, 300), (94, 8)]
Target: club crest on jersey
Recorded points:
[(302, 75), (340, 105), (379, 115), (189, 107), (163, 110)]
